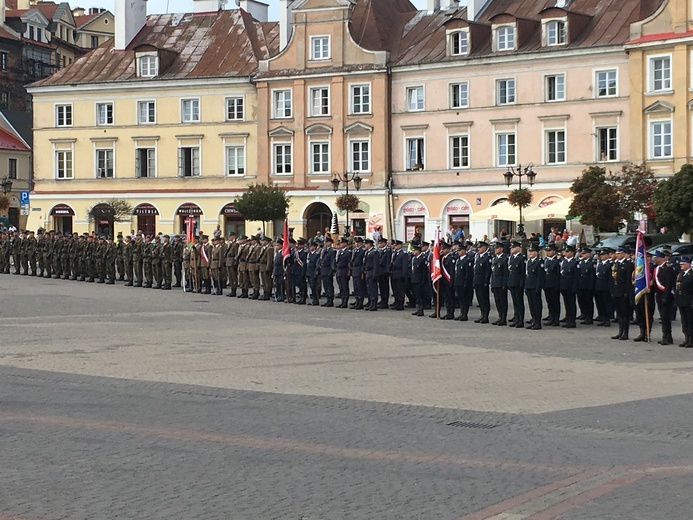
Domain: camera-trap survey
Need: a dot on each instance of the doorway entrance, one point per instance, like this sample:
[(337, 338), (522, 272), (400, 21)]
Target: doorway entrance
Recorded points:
[(232, 220), (317, 216), (146, 218)]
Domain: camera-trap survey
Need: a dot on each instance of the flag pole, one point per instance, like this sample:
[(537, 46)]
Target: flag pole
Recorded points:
[(647, 316), (437, 298)]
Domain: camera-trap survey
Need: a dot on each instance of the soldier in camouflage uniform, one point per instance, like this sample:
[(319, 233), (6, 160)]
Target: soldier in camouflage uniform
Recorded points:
[(127, 253), (147, 261), (65, 257), (177, 253), (90, 259), (156, 262), (4, 253), (166, 258), (56, 256), (186, 264), (243, 252), (119, 259), (23, 255), (31, 246), (137, 256), (110, 260)]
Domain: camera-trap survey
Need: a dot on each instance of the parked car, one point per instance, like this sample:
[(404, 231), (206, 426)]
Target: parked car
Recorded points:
[(677, 248), (629, 240)]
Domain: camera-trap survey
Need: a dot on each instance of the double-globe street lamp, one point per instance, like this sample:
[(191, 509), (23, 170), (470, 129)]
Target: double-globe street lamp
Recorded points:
[(6, 185), (520, 172), (345, 179)]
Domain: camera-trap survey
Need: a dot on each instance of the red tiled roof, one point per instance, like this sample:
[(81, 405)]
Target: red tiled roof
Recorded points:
[(7, 35), (660, 37), (15, 13), (9, 141), (222, 44), (81, 21), (48, 9)]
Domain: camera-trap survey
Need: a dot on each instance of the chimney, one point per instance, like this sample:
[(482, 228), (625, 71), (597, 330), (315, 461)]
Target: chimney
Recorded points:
[(206, 6), (285, 23), (475, 8), (130, 18), (432, 6), (257, 10), (78, 11)]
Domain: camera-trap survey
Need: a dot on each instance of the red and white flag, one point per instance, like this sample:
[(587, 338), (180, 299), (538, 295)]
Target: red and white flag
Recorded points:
[(436, 271), (190, 230), (286, 248)]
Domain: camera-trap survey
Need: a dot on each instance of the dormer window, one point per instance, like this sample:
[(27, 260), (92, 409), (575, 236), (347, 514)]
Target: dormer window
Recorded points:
[(458, 43), (555, 32), (147, 64), (505, 38), (319, 48)]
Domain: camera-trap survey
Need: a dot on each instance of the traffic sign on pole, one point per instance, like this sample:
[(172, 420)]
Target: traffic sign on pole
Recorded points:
[(24, 197)]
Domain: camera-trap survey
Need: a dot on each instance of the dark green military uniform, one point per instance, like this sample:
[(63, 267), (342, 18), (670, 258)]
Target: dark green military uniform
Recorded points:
[(166, 259)]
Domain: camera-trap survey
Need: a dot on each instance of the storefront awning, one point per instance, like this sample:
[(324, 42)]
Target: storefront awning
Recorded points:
[(62, 210), (188, 209), (557, 210), (145, 209), (230, 211), (502, 211)]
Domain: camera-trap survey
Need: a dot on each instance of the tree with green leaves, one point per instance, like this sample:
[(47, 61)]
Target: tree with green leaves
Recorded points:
[(596, 200), (263, 203), (635, 185), (673, 201), (119, 210)]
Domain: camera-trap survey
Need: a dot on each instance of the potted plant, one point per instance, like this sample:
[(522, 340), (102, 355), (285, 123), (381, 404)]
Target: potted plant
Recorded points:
[(348, 203), (520, 198)]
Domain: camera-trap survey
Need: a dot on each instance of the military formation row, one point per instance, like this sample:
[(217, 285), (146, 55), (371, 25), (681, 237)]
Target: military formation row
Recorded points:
[(380, 276)]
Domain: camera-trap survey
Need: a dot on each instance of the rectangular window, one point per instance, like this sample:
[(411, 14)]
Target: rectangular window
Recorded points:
[(607, 144), (63, 115), (145, 163), (555, 146), (319, 48), (458, 43), (12, 168), (234, 109), (459, 95), (360, 156), (104, 114), (415, 153), (104, 164), (505, 149), (360, 99), (282, 103), (146, 112), (660, 139), (189, 161), (459, 151), (3, 60), (415, 98), (320, 101), (63, 164), (555, 88), (505, 91), (320, 157), (147, 66), (282, 159), (555, 33), (190, 110), (660, 73), (94, 42), (39, 34), (235, 160), (505, 37), (606, 83), (4, 100), (31, 32)]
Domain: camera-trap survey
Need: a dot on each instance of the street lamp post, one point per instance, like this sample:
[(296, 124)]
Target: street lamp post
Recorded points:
[(519, 173), (6, 185), (345, 179)]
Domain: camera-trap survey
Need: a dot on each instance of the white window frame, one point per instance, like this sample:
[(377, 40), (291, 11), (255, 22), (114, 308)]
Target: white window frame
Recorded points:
[(560, 37), (408, 140), (497, 148), (181, 165), (59, 149), (505, 37), (138, 163), (462, 45), (557, 152), (285, 113), (369, 155), (105, 105), (138, 106), (508, 82), (451, 160), (311, 155), (459, 86), (104, 149), (238, 103), (194, 110), (597, 133), (652, 136), (651, 82), (147, 64), (352, 97), (414, 107), (275, 163), (227, 161), (320, 56), (64, 107), (319, 89), (597, 80), (559, 93)]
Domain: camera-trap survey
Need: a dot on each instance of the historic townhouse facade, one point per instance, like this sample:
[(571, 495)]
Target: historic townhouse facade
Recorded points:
[(163, 117), (661, 75)]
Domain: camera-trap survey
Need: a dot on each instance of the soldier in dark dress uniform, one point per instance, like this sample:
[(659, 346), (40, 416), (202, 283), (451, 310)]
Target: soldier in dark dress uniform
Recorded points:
[(384, 257), (447, 282), (499, 283), (684, 300), (298, 272), (371, 261), (552, 281), (358, 281), (482, 280), (586, 283), (569, 286), (516, 284), (603, 283), (534, 283), (419, 277), (664, 285), (312, 261), (622, 272), (398, 272), (460, 280), (326, 269), (342, 260)]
